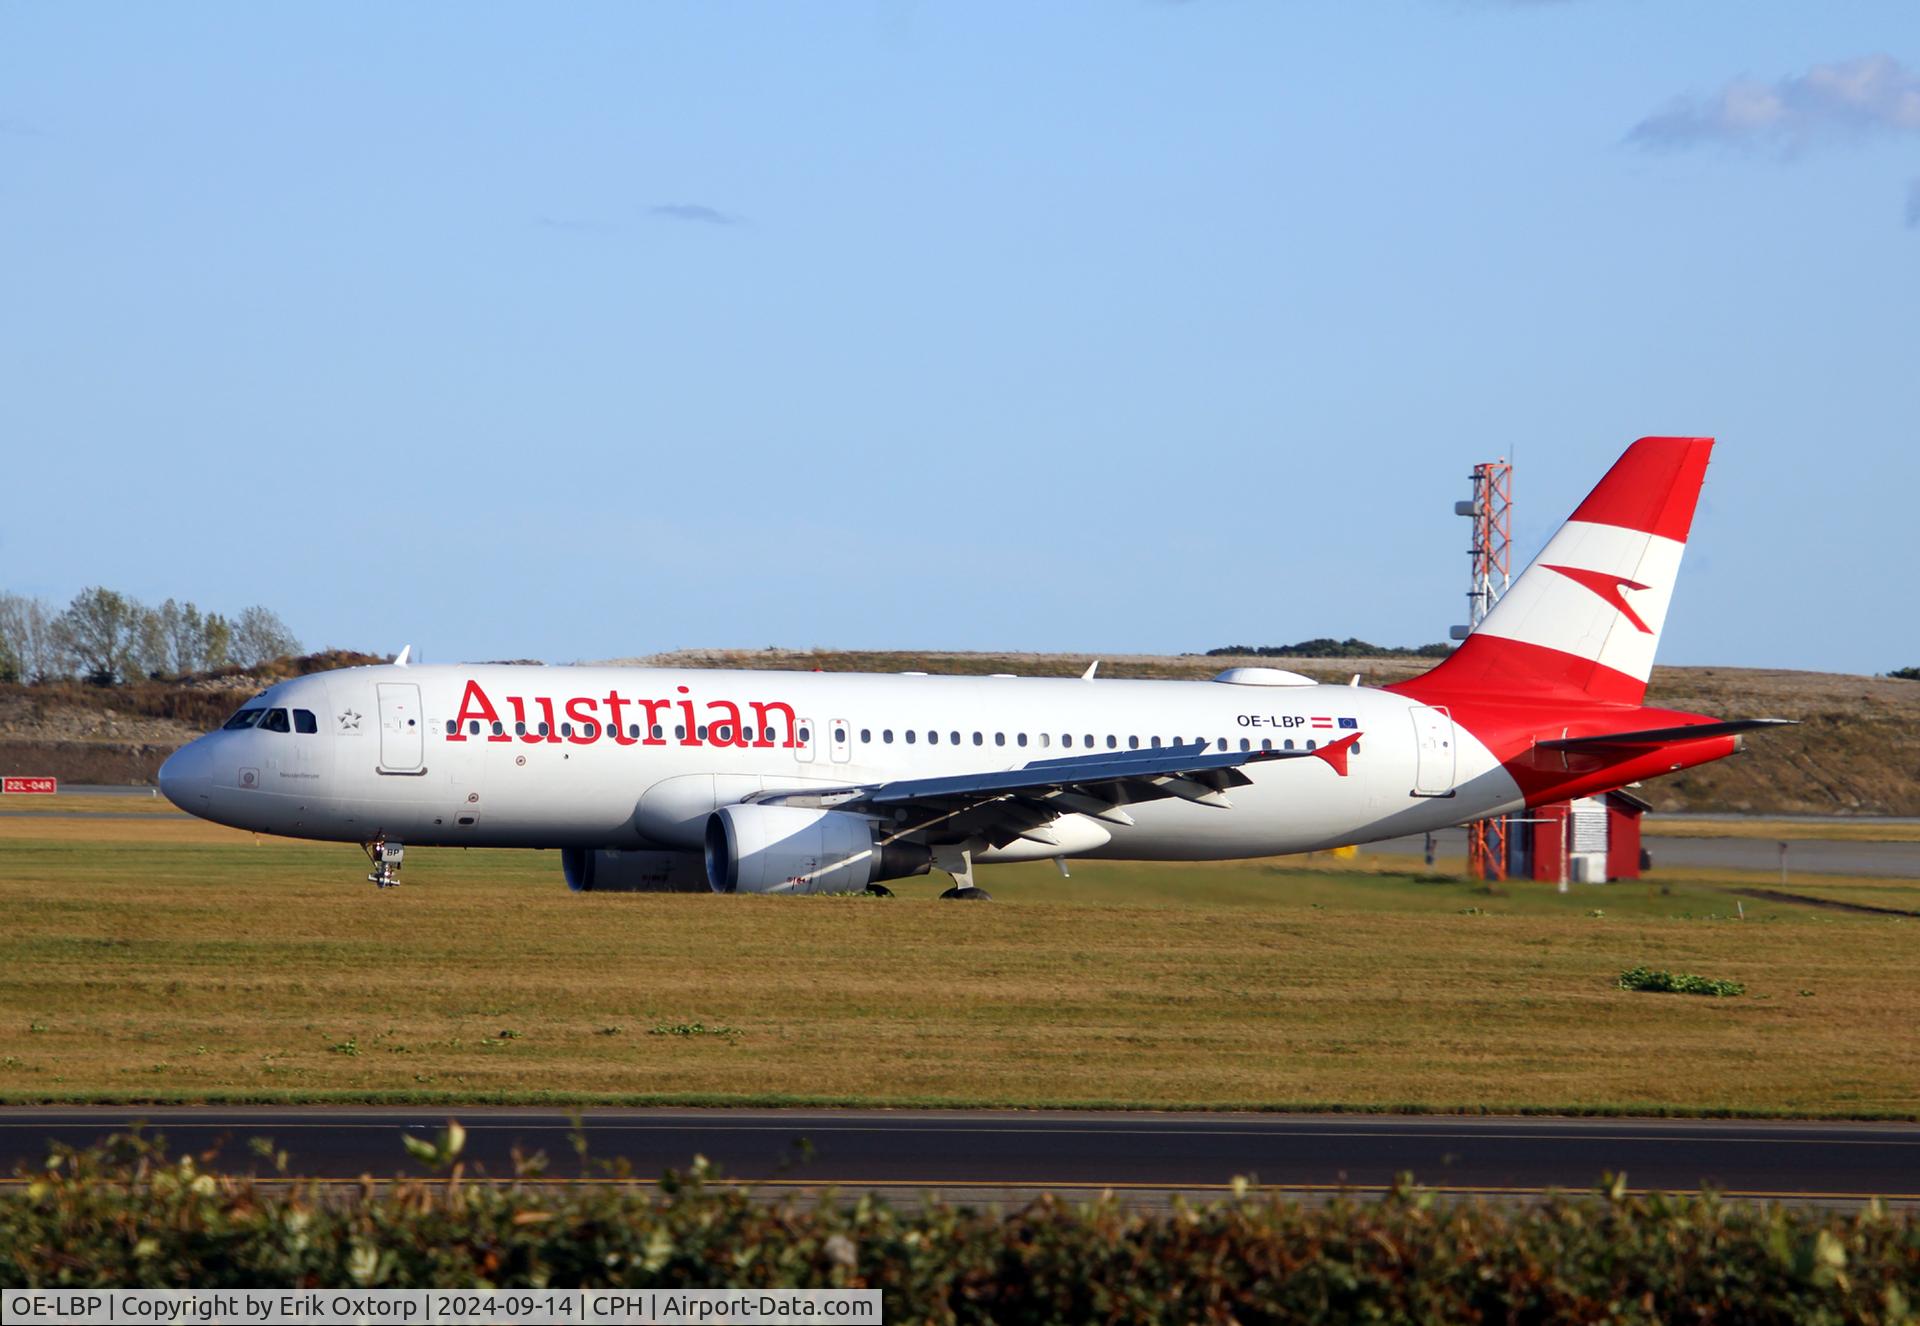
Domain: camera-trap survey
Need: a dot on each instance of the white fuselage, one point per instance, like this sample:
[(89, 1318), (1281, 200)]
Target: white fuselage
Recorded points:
[(381, 761)]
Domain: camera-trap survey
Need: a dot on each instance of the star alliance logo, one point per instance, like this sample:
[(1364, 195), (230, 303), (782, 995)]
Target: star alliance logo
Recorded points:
[(350, 721)]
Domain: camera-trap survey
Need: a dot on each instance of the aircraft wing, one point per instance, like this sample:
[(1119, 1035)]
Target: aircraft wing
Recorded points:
[(1002, 805)]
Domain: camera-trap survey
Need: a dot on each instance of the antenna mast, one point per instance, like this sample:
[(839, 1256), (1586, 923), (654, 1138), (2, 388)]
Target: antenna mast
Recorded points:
[(1491, 572)]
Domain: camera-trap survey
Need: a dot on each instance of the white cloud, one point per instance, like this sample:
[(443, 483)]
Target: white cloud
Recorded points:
[(1845, 100)]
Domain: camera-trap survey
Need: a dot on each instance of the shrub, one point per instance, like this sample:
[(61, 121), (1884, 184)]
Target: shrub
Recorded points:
[(1666, 982), (124, 1215)]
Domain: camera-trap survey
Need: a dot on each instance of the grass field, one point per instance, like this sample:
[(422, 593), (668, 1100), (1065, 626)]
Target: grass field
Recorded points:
[(163, 959)]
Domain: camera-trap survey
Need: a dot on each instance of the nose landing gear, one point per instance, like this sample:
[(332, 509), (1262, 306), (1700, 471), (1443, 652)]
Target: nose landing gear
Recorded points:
[(386, 858)]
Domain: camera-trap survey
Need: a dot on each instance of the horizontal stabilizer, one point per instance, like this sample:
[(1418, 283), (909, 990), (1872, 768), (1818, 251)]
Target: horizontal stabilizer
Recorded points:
[(1659, 736)]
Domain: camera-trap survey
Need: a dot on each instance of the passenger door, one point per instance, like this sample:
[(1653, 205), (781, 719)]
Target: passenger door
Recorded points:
[(402, 738), (1433, 746)]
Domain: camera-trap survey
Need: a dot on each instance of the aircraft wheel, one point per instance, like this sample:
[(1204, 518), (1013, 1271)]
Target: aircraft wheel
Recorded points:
[(879, 891), (968, 895)]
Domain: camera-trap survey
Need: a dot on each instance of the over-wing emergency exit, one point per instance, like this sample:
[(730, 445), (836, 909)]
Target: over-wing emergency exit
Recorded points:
[(786, 782)]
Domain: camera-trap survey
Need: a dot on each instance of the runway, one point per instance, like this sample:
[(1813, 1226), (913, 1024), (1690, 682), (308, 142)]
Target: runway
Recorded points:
[(1808, 856), (1001, 1153)]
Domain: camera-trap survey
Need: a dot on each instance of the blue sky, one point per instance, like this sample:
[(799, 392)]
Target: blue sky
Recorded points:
[(593, 330)]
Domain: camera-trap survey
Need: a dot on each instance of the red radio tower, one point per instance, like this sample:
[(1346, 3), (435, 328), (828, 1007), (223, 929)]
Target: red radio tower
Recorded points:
[(1491, 510)]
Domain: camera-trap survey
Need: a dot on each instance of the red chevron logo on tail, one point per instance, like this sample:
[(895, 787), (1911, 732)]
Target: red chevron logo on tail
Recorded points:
[(1608, 587)]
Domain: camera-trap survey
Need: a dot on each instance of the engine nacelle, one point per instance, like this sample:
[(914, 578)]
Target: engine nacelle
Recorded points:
[(613, 871), (792, 849)]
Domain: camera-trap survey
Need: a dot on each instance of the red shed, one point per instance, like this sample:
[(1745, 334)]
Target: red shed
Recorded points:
[(1624, 810), (1566, 839)]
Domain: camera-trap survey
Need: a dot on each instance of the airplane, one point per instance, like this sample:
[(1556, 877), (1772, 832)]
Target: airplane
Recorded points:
[(679, 779)]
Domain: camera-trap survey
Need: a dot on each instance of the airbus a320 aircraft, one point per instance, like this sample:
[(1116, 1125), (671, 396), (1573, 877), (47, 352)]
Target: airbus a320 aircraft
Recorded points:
[(800, 782)]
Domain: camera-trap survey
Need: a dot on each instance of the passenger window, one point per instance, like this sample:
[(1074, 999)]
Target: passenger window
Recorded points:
[(1112, 741), (248, 717), (660, 732), (679, 731), (499, 729), (453, 725), (1156, 743), (1089, 741), (1245, 744), (544, 731), (473, 727), (304, 721), (275, 721), (933, 738), (1354, 749), (911, 736), (1021, 739), (589, 730), (1312, 744), (1133, 743), (566, 729), (1266, 743), (839, 736), (866, 736), (1045, 740), (1221, 744), (519, 729), (1066, 739), (806, 735), (633, 731), (955, 737), (886, 735), (999, 738), (722, 732), (978, 740), (1289, 743)]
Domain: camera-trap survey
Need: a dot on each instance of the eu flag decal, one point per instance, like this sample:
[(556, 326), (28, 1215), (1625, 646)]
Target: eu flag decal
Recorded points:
[(1349, 722)]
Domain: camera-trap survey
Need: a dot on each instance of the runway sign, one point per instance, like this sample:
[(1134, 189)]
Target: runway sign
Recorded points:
[(27, 786)]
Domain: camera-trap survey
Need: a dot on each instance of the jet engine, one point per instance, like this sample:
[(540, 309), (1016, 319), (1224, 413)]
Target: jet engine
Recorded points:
[(614, 871), (793, 849)]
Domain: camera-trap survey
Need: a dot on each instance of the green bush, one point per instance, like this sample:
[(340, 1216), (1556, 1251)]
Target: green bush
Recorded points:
[(125, 1215), (1666, 982)]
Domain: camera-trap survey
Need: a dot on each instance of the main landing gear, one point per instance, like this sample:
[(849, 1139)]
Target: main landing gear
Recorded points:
[(958, 862), (386, 858)]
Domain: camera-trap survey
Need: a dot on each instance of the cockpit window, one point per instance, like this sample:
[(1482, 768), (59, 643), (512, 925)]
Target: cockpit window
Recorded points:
[(304, 721), (245, 718), (275, 720)]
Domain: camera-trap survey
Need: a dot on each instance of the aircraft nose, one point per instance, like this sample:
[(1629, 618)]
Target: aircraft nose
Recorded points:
[(187, 777)]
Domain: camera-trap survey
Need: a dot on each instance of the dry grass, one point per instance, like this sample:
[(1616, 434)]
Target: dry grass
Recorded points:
[(170, 959)]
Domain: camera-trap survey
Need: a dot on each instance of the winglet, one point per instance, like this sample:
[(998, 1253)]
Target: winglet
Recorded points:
[(1092, 668), (1336, 752), (400, 659)]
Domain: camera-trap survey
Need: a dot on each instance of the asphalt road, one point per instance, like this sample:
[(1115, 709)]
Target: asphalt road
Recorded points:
[(996, 1151), (1808, 856)]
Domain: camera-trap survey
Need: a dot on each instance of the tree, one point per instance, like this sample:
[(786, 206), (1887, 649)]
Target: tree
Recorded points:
[(149, 652), (216, 641), (97, 632), (26, 636), (260, 637), (184, 631)]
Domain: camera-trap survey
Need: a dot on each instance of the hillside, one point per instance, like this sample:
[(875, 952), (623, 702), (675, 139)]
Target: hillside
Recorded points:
[(1856, 753)]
